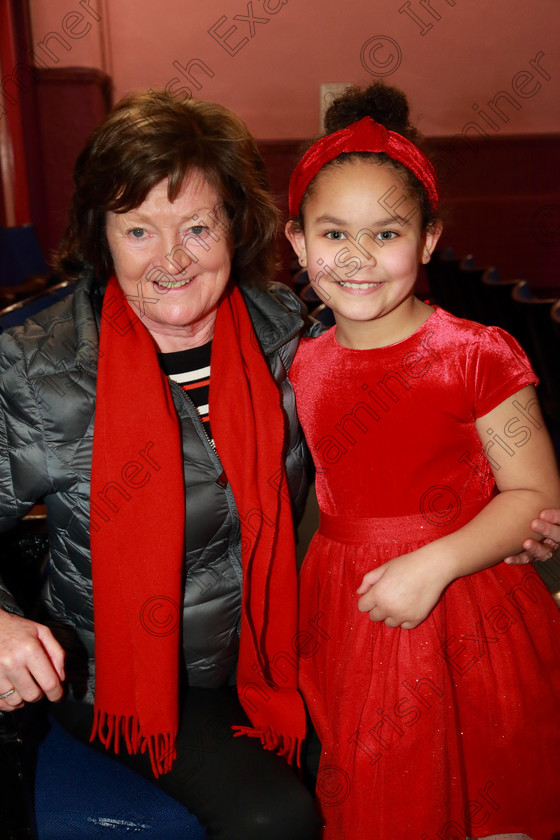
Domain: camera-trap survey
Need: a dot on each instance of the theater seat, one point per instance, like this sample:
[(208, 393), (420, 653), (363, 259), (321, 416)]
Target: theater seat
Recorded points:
[(502, 311), (15, 313), (441, 273), (81, 794), (541, 344), (324, 315)]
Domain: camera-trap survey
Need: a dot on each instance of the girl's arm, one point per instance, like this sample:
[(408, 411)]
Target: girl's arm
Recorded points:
[(404, 591)]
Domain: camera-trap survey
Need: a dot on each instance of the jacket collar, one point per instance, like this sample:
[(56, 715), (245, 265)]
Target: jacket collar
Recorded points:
[(275, 313), (86, 309)]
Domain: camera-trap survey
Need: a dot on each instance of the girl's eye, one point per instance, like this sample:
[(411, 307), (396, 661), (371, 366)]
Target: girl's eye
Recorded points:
[(335, 234), (137, 233), (386, 235)]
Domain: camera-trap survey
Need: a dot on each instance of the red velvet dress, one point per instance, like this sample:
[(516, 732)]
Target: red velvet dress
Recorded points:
[(450, 730)]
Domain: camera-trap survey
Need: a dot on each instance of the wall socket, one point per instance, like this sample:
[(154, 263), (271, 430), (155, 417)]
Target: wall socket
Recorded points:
[(328, 92)]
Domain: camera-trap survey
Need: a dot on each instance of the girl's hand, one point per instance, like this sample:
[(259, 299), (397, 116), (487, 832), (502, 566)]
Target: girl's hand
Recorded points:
[(548, 525), (404, 591)]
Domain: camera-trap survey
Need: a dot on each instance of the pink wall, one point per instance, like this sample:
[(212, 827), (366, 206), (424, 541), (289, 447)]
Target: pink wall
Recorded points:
[(267, 65)]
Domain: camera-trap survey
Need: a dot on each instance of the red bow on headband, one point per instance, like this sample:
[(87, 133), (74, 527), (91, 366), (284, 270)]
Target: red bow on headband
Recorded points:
[(363, 136)]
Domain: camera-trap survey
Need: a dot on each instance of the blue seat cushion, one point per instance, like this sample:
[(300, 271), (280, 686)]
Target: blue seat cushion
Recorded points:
[(81, 794), (20, 255), (16, 314)]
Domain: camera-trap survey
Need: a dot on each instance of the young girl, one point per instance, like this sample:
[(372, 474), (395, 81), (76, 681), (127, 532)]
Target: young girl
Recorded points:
[(433, 679)]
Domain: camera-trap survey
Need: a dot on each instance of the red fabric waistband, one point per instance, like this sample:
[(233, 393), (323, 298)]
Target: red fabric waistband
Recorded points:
[(442, 513)]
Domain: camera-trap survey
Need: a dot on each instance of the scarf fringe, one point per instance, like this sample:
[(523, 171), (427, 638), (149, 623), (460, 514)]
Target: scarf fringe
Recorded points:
[(286, 746), (109, 729)]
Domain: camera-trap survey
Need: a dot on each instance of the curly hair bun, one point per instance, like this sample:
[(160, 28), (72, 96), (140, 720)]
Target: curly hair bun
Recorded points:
[(386, 105)]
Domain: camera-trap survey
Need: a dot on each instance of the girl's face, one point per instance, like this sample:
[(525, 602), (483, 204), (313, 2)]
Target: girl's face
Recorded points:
[(362, 243)]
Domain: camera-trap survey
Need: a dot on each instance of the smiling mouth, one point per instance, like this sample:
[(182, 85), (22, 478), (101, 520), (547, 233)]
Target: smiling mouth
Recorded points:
[(348, 285), (173, 284)]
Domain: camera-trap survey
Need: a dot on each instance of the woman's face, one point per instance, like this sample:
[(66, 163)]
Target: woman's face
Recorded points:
[(173, 261)]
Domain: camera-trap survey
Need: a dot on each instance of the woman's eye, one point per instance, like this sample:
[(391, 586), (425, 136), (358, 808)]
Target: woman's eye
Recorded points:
[(335, 234), (198, 230), (137, 233), (386, 235)]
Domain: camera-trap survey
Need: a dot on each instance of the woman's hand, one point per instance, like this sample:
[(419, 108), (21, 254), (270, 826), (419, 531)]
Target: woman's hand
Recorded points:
[(31, 663), (404, 591), (548, 525)]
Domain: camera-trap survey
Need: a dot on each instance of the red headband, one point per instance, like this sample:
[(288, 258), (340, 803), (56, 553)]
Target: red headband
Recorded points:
[(363, 136)]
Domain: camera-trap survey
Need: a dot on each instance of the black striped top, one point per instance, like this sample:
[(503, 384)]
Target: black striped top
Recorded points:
[(191, 370)]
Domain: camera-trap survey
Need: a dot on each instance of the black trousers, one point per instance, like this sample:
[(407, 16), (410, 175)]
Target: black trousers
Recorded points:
[(237, 789)]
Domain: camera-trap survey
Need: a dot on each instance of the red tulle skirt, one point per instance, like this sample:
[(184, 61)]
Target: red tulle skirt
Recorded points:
[(450, 730)]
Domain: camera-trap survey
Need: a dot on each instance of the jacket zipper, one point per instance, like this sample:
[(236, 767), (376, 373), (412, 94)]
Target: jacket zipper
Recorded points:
[(222, 480), (269, 351)]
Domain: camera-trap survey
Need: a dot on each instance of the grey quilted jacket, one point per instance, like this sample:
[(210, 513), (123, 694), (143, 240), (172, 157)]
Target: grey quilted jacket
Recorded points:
[(47, 403)]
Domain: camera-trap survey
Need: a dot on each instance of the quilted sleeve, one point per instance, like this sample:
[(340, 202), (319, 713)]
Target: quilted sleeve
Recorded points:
[(23, 464), (23, 473)]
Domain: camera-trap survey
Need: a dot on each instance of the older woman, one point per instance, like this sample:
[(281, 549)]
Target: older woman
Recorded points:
[(152, 413)]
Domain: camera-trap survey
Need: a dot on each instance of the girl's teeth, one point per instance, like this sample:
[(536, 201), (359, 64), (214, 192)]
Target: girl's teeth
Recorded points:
[(357, 285)]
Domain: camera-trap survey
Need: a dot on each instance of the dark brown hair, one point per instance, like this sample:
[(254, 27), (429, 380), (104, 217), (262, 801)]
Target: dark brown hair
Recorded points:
[(150, 137), (389, 107)]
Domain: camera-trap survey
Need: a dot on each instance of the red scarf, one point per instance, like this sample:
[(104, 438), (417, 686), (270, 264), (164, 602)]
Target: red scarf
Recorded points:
[(137, 535)]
